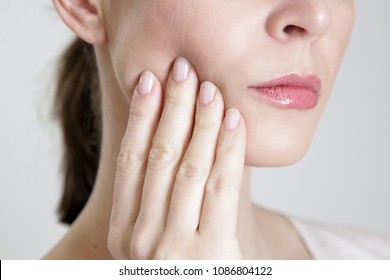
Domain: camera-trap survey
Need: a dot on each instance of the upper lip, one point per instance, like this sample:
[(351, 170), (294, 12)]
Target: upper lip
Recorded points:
[(311, 82)]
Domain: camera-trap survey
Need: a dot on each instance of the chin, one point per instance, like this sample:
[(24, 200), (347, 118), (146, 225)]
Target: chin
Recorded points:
[(275, 151)]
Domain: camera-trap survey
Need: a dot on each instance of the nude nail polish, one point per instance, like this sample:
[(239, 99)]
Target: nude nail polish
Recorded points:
[(181, 69), (146, 82), (207, 93), (232, 119)]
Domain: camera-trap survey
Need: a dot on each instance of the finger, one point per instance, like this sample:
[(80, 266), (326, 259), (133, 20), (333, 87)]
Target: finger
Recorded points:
[(188, 190), (220, 208), (169, 143), (143, 118)]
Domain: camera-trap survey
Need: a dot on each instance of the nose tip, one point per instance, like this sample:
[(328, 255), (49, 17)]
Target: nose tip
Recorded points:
[(303, 19)]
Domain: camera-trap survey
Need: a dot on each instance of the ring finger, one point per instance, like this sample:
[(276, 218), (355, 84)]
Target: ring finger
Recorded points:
[(188, 191)]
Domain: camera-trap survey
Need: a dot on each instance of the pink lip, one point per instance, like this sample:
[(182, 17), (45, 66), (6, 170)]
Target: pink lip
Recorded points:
[(291, 91)]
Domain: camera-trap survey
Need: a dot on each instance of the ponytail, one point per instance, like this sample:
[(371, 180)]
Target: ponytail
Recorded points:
[(77, 108)]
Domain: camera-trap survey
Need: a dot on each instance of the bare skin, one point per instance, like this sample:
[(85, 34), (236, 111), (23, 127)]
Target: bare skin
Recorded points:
[(173, 179), (259, 234)]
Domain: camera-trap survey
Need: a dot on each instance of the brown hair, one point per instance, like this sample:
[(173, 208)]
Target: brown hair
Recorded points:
[(77, 108)]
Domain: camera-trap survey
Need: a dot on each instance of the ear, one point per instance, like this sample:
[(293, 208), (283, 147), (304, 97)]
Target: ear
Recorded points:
[(84, 18)]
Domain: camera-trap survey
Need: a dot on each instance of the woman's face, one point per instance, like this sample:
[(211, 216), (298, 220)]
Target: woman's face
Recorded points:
[(237, 44)]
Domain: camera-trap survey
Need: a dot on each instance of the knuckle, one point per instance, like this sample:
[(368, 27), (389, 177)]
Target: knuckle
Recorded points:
[(227, 149), (138, 112), (189, 171), (219, 185), (129, 157), (175, 99), (116, 222), (203, 122), (161, 153)]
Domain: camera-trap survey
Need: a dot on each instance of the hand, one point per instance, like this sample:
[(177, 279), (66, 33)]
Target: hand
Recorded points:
[(178, 177)]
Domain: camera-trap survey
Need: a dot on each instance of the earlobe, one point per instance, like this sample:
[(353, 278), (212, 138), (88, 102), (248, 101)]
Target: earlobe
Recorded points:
[(83, 17)]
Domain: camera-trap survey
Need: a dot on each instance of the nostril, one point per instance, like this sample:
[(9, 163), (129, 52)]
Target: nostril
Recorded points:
[(298, 20), (293, 29)]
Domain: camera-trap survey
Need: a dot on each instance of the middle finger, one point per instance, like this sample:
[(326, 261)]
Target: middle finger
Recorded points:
[(169, 144)]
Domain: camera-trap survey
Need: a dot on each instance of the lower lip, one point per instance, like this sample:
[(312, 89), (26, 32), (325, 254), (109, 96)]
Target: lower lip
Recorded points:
[(288, 97)]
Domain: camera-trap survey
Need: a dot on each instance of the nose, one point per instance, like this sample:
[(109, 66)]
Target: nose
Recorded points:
[(289, 19)]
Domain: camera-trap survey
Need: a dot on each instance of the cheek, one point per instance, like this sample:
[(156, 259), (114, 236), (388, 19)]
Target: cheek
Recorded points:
[(150, 39), (215, 46), (130, 59), (141, 42)]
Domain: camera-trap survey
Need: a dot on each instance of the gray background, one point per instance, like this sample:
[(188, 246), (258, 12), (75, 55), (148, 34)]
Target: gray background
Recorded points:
[(344, 178)]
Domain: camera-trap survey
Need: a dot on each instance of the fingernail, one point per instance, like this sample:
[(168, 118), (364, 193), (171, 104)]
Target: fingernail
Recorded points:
[(207, 93), (180, 70), (146, 83), (232, 119)]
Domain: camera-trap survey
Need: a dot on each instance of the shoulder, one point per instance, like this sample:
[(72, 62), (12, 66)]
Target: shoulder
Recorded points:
[(326, 241)]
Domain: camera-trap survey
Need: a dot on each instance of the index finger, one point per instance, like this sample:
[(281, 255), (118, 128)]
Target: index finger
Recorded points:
[(143, 119)]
